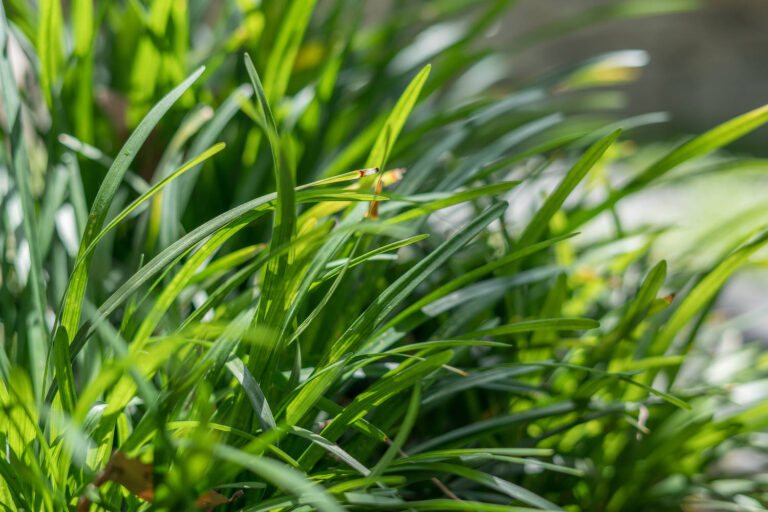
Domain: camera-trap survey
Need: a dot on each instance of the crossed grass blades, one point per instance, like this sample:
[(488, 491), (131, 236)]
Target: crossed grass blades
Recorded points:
[(342, 339)]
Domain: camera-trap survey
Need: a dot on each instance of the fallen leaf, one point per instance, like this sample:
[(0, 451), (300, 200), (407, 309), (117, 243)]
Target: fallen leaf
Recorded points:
[(213, 499), (136, 476)]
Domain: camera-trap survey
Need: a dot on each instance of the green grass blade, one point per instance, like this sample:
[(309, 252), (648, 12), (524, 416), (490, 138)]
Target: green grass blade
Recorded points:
[(254, 393), (492, 482), (281, 476), (642, 302), (359, 331), (467, 278), (49, 45), (74, 299), (19, 162), (479, 429), (402, 434), (156, 188), (283, 54), (370, 254), (475, 167), (63, 369), (272, 302), (399, 379), (489, 288), (459, 197), (332, 448), (464, 452), (182, 189), (703, 292), (448, 387), (620, 376), (705, 143), (546, 324), (538, 225), (441, 505), (394, 124)]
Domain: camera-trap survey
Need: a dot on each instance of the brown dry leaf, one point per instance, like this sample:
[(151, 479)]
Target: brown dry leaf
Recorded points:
[(213, 499), (136, 476), (383, 180), (373, 209)]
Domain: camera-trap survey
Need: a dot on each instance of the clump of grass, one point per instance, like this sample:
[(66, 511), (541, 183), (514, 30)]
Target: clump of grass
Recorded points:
[(306, 290)]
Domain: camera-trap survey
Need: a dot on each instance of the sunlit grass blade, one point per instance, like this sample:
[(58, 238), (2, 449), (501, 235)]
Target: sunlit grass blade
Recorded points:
[(283, 54), (255, 395), (49, 45), (19, 162), (396, 120), (563, 324), (278, 474), (63, 370), (459, 197), (357, 333), (705, 143), (148, 195), (538, 225), (70, 317), (703, 292), (272, 302), (371, 254)]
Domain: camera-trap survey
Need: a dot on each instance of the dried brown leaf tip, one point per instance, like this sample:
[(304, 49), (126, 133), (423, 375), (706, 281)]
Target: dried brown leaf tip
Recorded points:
[(383, 179), (669, 298), (136, 477), (373, 209), (367, 172), (213, 499)]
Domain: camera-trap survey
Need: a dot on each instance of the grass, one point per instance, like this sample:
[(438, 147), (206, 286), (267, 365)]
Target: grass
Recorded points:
[(302, 282)]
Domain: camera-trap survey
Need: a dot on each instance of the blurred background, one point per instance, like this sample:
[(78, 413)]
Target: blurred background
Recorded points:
[(706, 65)]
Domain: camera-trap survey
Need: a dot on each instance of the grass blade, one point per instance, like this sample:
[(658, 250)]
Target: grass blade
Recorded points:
[(70, 318), (545, 324), (255, 395), (391, 129), (705, 143), (703, 292), (538, 225), (19, 162)]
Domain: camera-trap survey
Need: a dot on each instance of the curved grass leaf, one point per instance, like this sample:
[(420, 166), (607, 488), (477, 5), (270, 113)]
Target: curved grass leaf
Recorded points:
[(70, 318), (703, 292), (705, 143), (396, 120), (402, 434), (538, 225), (492, 482), (544, 324), (283, 477), (255, 395)]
